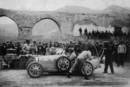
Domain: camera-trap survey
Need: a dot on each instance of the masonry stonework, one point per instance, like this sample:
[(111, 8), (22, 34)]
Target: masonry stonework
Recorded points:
[(26, 20)]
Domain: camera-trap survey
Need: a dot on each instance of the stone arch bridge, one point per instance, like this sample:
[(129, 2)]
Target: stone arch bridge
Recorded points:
[(26, 20)]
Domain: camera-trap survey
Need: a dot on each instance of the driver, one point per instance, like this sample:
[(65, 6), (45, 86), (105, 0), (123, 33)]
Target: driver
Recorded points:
[(81, 55)]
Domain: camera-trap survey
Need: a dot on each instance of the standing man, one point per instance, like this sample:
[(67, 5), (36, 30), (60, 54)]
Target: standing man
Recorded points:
[(18, 48), (44, 48), (80, 31), (108, 57), (26, 47), (3, 49), (121, 53), (40, 48), (34, 49), (86, 32)]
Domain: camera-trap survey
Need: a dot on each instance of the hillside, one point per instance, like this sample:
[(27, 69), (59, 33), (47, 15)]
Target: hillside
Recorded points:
[(76, 9), (79, 9), (118, 9), (121, 15)]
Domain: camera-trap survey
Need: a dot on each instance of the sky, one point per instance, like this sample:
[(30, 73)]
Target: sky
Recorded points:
[(49, 5)]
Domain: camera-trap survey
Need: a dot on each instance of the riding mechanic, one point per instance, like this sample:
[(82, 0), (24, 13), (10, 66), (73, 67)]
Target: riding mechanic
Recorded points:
[(79, 58)]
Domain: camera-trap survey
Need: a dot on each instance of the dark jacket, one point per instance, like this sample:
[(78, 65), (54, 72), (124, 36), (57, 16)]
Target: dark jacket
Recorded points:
[(109, 53)]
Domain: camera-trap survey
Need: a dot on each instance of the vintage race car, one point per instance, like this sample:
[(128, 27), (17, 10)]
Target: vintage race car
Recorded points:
[(12, 60), (10, 56), (59, 63)]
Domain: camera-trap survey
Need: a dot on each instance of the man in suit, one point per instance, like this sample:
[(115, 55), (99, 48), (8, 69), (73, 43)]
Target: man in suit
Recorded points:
[(108, 57)]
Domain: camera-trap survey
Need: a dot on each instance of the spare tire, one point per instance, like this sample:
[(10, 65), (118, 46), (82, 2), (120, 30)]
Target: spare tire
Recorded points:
[(63, 64)]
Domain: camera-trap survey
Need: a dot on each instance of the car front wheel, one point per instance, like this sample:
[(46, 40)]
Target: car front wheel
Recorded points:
[(34, 70)]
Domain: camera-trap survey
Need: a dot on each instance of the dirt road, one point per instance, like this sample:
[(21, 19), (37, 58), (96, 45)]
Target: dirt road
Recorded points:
[(20, 78)]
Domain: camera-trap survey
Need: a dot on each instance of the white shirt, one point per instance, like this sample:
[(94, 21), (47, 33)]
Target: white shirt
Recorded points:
[(60, 51), (26, 47), (72, 56), (121, 48), (85, 54)]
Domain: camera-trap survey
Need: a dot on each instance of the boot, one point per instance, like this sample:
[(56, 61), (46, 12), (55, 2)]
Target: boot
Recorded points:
[(86, 78), (68, 75)]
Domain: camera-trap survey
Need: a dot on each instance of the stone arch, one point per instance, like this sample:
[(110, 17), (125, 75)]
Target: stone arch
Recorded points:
[(11, 35), (85, 21), (11, 18), (82, 22), (52, 19), (43, 21)]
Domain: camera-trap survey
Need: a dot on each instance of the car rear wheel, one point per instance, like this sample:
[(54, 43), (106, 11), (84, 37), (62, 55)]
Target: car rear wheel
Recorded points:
[(34, 70), (63, 64), (87, 69)]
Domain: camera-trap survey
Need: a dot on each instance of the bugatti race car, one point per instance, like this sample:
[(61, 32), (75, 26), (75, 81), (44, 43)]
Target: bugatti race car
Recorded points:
[(60, 63)]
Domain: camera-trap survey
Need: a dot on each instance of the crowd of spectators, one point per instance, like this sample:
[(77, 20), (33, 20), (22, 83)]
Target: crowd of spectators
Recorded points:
[(104, 34), (43, 48), (32, 47), (119, 49)]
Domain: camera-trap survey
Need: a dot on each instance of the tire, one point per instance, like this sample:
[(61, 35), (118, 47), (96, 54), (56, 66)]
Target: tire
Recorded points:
[(63, 64), (87, 69), (34, 70)]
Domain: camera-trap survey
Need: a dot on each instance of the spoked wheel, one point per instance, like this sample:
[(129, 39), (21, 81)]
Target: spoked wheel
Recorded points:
[(63, 64), (87, 69), (34, 70)]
